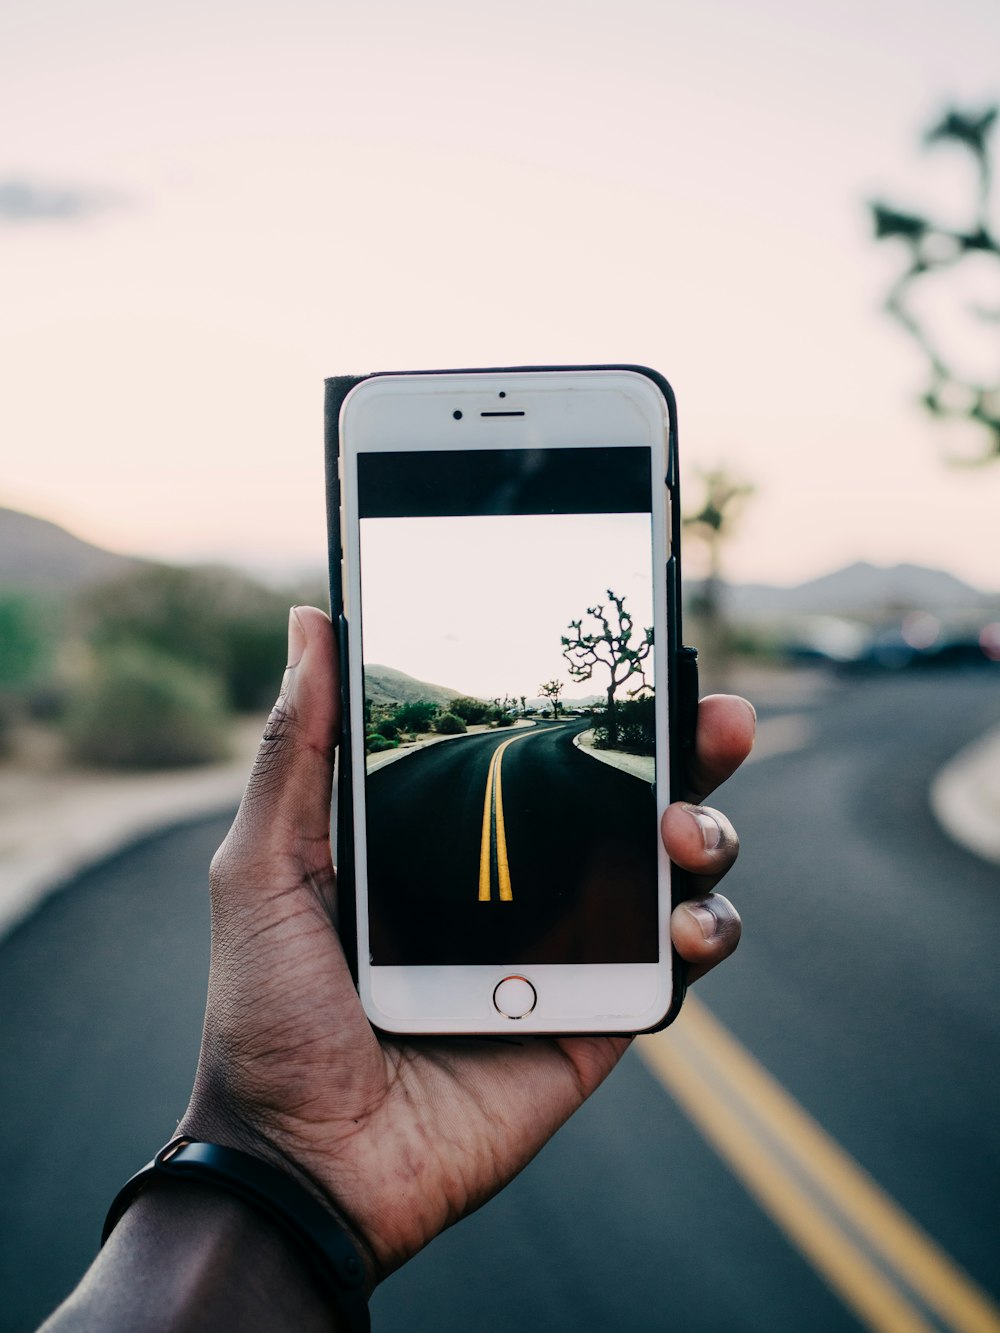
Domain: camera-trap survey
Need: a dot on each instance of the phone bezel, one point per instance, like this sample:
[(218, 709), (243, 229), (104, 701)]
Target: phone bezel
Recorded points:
[(562, 409)]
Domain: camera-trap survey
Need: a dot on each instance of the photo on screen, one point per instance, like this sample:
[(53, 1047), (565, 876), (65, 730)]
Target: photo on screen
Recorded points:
[(508, 678)]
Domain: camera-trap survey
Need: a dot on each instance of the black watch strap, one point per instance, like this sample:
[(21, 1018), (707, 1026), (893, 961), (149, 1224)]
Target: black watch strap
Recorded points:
[(313, 1228)]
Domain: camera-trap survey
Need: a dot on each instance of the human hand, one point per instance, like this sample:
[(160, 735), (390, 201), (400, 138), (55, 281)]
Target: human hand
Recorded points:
[(401, 1137)]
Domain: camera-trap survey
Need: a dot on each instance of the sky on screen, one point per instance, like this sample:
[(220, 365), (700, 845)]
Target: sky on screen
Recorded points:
[(206, 207), (504, 589)]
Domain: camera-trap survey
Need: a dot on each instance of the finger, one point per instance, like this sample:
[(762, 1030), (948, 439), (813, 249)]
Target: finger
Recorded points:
[(286, 805), (724, 738), (701, 841), (705, 931)]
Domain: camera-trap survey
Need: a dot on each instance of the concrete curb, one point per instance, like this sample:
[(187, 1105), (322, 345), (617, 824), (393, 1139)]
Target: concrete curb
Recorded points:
[(965, 797), (641, 766)]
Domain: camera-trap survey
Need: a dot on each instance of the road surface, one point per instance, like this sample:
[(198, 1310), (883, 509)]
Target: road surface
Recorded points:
[(511, 847), (866, 985)]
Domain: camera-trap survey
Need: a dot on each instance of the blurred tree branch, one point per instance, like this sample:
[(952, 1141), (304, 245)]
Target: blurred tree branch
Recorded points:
[(933, 248)]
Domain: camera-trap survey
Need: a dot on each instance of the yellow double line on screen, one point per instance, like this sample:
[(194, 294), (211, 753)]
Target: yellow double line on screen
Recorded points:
[(883, 1267), (493, 821)]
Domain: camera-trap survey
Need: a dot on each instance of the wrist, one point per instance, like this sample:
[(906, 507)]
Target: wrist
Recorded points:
[(318, 1237), (231, 1130), (186, 1255)]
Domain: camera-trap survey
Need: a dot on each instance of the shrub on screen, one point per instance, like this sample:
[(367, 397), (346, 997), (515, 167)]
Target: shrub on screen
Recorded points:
[(450, 725)]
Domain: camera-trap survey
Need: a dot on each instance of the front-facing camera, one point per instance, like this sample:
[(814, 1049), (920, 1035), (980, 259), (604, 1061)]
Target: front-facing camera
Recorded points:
[(457, 414)]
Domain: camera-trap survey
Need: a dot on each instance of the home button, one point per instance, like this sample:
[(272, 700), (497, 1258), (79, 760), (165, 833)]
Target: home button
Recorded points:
[(515, 997)]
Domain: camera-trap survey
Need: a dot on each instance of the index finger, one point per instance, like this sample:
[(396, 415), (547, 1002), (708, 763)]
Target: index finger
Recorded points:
[(723, 739)]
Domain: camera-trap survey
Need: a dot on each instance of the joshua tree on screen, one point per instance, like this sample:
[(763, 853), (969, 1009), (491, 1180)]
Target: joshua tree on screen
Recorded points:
[(969, 252), (552, 689), (610, 641), (503, 708)]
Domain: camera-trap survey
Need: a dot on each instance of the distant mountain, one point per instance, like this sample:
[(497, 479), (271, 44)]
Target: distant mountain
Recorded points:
[(38, 556), (386, 685), (861, 589)]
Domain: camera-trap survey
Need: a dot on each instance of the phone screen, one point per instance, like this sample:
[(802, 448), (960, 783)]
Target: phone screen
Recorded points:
[(507, 645)]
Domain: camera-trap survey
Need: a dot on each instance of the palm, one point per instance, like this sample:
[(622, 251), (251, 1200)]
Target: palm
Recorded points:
[(443, 1124)]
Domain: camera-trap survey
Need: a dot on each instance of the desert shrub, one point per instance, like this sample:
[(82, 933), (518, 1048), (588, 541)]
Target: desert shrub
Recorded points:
[(375, 744), (26, 657), (214, 619), (635, 725), (416, 716), (255, 653), (8, 718), (26, 641), (450, 725), (504, 721), (387, 728), (471, 711), (142, 709)]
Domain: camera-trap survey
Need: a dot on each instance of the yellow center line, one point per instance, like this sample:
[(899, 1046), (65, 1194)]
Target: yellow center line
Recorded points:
[(866, 1247), (484, 846), (493, 814), (503, 866)]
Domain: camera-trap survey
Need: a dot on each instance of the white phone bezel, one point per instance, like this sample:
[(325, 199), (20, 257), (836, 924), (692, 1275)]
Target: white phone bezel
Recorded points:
[(562, 409)]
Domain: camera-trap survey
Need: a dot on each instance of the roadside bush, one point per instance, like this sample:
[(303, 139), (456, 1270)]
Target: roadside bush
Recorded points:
[(26, 657), (215, 619), (471, 711), (504, 721), (387, 728), (450, 725), (8, 717), (142, 709), (375, 744), (26, 641), (416, 716), (635, 721)]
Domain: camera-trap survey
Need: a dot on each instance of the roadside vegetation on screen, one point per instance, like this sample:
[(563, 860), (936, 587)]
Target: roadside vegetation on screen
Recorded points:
[(391, 723), (607, 642)]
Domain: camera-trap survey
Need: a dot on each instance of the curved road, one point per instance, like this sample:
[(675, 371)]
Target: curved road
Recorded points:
[(510, 847), (867, 984)]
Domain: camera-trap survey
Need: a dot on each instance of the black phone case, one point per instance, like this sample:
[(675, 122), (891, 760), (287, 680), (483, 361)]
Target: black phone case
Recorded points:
[(682, 671)]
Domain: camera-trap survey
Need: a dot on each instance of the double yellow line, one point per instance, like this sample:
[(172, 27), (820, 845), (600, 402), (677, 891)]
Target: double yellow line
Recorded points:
[(884, 1268), (493, 819)]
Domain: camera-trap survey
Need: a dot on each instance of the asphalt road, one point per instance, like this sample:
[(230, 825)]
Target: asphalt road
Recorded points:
[(470, 862), (867, 984)]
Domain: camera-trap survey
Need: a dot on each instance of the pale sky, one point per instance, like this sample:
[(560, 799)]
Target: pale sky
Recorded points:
[(479, 604), (251, 196)]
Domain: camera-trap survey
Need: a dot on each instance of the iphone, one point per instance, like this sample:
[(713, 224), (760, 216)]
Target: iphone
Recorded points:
[(505, 582)]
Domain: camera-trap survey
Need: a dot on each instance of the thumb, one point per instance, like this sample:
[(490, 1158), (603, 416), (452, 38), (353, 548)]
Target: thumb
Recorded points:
[(285, 811)]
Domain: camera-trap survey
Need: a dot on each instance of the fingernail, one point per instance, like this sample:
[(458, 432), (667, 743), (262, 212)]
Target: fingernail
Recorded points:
[(753, 714), (707, 921), (296, 637), (711, 829), (296, 647)]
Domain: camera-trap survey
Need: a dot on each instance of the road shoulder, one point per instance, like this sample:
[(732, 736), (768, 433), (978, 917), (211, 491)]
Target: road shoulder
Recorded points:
[(965, 797), (55, 823)]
